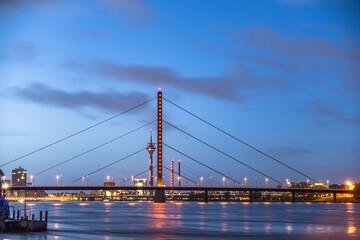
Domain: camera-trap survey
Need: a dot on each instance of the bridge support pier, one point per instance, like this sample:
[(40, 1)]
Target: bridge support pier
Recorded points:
[(293, 197), (250, 196), (334, 195), (159, 196), (206, 196)]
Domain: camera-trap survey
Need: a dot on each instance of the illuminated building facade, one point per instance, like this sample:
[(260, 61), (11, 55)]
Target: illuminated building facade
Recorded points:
[(19, 176), (140, 182)]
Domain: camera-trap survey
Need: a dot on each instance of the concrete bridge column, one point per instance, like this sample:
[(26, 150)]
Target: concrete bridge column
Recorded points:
[(293, 197), (334, 194), (206, 196), (251, 196)]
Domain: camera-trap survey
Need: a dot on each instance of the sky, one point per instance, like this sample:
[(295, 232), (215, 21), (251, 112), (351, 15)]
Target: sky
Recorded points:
[(281, 75)]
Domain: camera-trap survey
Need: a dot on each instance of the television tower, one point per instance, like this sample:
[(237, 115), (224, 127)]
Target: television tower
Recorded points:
[(151, 149)]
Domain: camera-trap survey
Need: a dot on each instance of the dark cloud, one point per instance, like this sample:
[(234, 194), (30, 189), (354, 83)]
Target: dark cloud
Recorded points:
[(135, 12), (110, 100), (89, 33), (9, 5), (281, 152), (293, 47), (333, 112), (234, 85), (20, 51), (286, 152)]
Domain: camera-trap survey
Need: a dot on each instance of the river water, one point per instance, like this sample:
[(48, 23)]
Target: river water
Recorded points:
[(195, 220)]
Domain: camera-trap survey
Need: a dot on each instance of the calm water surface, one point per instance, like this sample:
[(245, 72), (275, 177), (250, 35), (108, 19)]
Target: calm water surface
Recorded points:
[(196, 220)]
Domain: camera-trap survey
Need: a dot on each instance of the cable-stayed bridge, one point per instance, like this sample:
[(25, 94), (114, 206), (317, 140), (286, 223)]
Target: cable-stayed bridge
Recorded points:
[(158, 186)]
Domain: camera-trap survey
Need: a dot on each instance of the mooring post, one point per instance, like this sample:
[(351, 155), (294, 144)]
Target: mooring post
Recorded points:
[(13, 214), (33, 217), (40, 216), (251, 196), (206, 196), (293, 196), (46, 216), (334, 194), (18, 214)]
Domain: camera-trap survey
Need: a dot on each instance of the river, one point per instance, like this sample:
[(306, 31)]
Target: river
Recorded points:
[(195, 220)]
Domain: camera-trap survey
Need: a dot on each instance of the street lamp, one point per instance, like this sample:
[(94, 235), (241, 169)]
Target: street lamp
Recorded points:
[(57, 180), (327, 182), (201, 179), (82, 180), (223, 181), (245, 179), (210, 181), (266, 180), (107, 178), (132, 180), (307, 183)]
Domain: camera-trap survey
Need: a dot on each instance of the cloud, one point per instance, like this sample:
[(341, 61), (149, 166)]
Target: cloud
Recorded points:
[(281, 152), (109, 101), (233, 85), (333, 111), (286, 152), (134, 12), (293, 47)]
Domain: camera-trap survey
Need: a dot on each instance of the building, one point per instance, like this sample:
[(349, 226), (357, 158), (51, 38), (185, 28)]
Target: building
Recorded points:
[(298, 185), (19, 176), (319, 185), (140, 182)]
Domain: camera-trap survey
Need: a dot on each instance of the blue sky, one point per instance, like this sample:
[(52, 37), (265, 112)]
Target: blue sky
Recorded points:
[(280, 75)]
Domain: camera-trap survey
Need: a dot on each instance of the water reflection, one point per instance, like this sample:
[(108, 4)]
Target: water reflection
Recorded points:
[(181, 220)]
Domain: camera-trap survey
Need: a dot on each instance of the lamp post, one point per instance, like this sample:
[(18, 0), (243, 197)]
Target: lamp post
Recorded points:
[(132, 180), (245, 179), (223, 181), (210, 180), (107, 178), (57, 180), (266, 181), (201, 180), (327, 182)]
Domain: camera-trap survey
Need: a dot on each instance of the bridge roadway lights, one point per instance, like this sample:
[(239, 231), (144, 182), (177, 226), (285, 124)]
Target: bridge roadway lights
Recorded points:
[(159, 196)]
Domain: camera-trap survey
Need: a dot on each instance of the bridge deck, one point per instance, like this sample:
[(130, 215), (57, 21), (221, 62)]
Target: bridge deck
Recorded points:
[(182, 188)]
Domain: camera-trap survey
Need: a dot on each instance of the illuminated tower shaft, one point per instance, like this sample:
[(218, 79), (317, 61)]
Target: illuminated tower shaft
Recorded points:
[(172, 174), (151, 149), (159, 140), (179, 177)]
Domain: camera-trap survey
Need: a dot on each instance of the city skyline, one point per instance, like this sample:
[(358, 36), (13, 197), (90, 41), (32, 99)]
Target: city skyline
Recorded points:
[(288, 88)]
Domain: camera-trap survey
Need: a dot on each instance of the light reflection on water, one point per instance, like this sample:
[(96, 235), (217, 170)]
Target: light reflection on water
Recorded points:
[(180, 220)]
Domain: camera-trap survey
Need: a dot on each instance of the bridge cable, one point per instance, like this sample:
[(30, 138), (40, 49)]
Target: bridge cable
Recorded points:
[(77, 133), (94, 148), (108, 165), (239, 140), (214, 170), (227, 155)]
